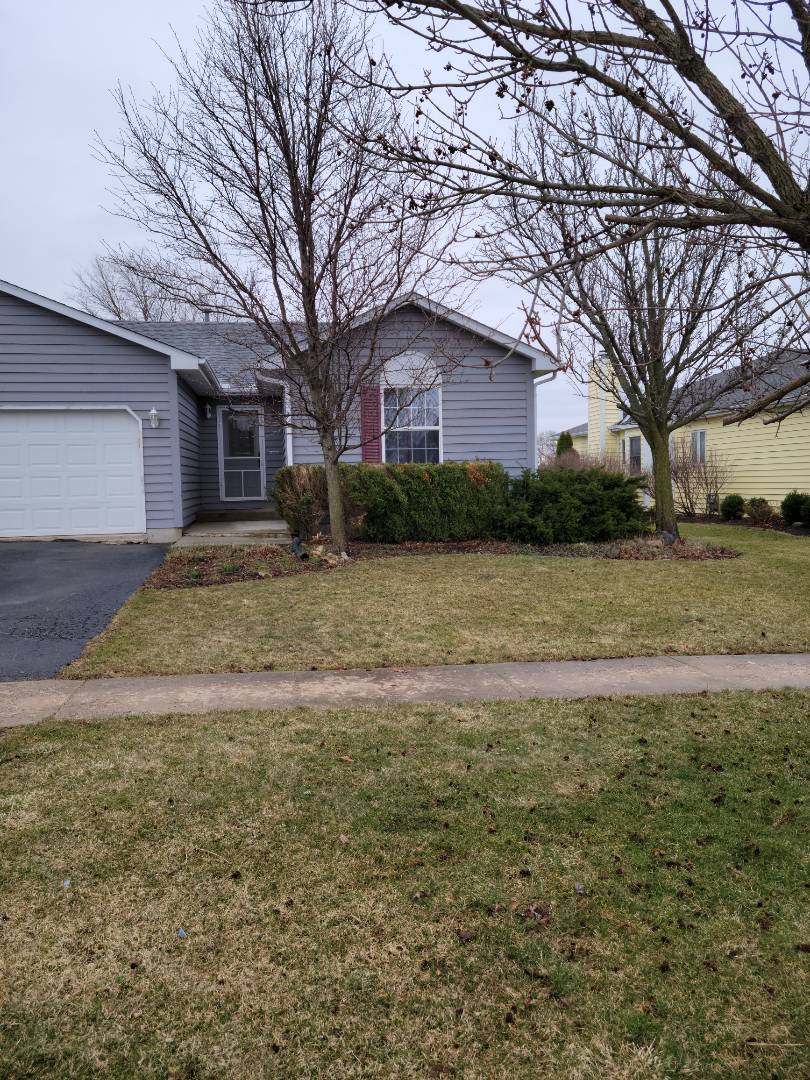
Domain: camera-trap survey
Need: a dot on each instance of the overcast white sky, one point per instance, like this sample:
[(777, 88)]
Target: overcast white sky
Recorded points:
[(58, 63)]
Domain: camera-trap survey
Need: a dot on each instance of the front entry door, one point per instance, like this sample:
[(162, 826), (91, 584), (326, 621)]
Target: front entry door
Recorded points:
[(241, 454)]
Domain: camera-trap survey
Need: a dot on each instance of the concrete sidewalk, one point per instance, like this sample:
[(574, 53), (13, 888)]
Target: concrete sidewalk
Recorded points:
[(30, 702)]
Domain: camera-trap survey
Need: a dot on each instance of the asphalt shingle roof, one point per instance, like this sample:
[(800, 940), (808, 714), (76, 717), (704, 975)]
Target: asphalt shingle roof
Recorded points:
[(232, 349), (580, 429), (783, 371)]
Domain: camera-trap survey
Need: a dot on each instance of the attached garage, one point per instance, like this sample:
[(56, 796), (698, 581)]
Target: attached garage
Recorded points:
[(91, 441), (71, 472)]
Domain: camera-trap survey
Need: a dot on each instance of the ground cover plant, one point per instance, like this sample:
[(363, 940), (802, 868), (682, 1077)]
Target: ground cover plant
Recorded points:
[(601, 889), (441, 609)]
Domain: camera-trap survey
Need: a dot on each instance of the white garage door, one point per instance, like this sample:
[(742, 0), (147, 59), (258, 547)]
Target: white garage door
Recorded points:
[(70, 472)]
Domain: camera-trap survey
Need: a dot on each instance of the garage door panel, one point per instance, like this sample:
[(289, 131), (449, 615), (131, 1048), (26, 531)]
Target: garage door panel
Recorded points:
[(117, 518), (47, 518), (44, 454), (81, 453), (85, 487), (39, 423), (66, 472), (10, 453), (10, 489)]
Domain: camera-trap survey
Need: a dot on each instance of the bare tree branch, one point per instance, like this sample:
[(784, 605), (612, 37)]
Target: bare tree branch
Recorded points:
[(265, 212)]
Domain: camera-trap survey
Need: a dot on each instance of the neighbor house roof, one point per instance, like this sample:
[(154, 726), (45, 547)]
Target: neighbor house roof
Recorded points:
[(580, 429), (233, 348), (783, 371)]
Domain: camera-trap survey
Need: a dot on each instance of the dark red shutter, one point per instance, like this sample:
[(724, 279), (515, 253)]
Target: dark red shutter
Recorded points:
[(370, 423)]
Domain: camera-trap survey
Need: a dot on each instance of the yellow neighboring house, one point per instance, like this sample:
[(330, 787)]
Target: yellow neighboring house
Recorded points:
[(766, 460)]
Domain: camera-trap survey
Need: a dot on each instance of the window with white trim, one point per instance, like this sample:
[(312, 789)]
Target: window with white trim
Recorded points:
[(699, 446), (413, 424)]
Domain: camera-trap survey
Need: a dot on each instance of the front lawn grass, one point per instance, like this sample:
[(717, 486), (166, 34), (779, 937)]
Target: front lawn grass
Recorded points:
[(580, 891), (447, 609)]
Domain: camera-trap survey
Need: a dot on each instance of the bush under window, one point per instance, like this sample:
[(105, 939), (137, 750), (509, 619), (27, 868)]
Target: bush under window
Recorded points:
[(574, 506), (473, 500)]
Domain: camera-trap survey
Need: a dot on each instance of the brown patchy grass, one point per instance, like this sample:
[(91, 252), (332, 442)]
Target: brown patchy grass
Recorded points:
[(393, 893), (461, 608)]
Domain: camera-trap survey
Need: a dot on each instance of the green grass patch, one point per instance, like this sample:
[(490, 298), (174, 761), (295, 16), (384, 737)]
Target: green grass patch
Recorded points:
[(611, 888), (460, 608)]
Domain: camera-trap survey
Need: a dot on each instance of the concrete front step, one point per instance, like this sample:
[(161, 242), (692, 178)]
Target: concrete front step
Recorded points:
[(235, 533), (235, 540)]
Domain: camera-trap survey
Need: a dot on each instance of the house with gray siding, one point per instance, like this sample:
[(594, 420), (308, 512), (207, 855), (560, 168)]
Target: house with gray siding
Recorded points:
[(133, 430)]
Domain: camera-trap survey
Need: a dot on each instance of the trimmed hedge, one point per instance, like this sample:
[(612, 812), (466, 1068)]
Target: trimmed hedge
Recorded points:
[(397, 503), (473, 500), (563, 506), (452, 501)]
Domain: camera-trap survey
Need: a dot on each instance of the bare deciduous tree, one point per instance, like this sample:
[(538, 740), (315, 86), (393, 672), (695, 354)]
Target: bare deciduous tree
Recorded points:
[(268, 213), (111, 288), (546, 445), (739, 125), (666, 325)]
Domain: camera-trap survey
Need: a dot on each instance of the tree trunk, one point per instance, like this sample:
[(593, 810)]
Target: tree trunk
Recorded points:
[(337, 509), (665, 520)]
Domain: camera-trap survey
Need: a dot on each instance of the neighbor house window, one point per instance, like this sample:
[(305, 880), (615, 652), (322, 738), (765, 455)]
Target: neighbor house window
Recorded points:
[(635, 453), (699, 446), (413, 424)]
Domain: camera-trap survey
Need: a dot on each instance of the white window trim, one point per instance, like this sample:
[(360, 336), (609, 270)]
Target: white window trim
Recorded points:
[(288, 431), (697, 458), (436, 386), (258, 411)]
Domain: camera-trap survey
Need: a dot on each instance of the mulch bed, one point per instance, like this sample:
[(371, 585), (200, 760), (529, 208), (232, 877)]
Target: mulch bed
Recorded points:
[(188, 568), (776, 525)]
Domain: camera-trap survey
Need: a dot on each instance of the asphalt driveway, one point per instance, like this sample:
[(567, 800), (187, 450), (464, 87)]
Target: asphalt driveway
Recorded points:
[(56, 595)]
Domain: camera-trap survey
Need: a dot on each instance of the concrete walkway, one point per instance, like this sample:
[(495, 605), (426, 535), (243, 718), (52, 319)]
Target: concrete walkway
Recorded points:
[(30, 702)]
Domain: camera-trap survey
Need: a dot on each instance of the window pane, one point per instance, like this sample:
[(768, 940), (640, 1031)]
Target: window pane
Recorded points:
[(392, 446), (252, 485), (233, 485), (391, 402), (241, 435), (699, 446)]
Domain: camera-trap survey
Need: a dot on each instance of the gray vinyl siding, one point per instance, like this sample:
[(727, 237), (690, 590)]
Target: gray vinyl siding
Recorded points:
[(188, 416), (487, 395), (210, 501), (307, 450), (48, 359)]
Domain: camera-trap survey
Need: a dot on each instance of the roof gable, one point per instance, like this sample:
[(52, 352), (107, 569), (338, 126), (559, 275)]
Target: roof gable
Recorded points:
[(179, 359), (232, 348)]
